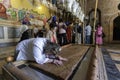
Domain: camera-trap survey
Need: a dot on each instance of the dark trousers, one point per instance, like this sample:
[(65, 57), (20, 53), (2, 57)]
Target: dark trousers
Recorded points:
[(62, 39)]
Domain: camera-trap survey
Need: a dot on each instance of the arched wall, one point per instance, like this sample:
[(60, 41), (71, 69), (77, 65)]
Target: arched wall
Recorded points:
[(109, 11), (112, 27)]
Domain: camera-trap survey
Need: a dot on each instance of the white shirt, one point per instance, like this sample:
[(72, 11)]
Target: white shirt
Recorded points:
[(22, 29), (61, 29), (35, 30), (32, 49), (88, 30)]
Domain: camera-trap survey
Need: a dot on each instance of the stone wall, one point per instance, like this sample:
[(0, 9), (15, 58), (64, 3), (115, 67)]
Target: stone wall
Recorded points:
[(109, 11)]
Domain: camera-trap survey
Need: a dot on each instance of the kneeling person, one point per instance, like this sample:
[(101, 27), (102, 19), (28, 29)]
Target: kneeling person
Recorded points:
[(40, 50)]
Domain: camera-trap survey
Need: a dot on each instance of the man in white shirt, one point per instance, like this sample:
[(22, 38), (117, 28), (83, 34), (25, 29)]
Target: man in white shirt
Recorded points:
[(39, 50), (87, 33)]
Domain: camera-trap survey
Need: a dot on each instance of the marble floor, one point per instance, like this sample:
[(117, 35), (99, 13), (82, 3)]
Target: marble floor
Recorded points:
[(111, 56), (114, 51)]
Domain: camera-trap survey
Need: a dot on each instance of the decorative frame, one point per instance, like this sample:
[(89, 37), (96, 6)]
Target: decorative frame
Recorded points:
[(1, 32), (13, 32)]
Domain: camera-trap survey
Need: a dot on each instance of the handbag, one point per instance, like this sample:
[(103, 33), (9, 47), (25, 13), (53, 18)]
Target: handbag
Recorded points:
[(103, 35)]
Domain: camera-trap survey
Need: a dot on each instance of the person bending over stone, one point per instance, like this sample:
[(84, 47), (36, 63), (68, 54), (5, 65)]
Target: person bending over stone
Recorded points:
[(40, 50)]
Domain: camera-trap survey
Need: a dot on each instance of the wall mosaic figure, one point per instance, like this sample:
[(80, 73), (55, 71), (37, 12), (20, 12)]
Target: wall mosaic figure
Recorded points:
[(21, 14), (3, 14)]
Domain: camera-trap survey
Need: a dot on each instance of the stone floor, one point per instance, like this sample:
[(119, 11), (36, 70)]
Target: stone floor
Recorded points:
[(112, 61), (4, 53), (113, 50)]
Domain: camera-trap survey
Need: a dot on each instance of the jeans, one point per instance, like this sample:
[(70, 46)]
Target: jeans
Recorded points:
[(87, 40)]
